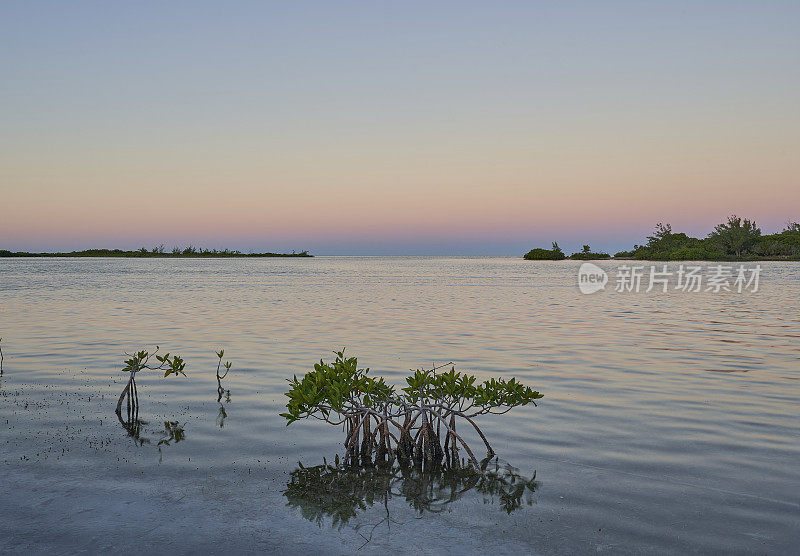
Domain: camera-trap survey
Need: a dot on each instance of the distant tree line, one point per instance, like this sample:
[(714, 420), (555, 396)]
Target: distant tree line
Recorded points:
[(158, 251), (735, 239)]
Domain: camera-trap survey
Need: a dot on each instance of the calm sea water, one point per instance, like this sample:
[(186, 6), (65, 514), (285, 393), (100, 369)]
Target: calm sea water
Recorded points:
[(669, 422)]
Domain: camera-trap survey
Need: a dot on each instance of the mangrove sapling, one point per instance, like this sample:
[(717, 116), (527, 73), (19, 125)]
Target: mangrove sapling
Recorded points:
[(431, 405), (1, 357), (139, 362), (220, 390)]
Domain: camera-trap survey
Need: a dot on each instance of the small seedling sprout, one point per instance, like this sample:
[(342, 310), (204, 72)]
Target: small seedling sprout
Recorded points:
[(227, 365), (138, 362)]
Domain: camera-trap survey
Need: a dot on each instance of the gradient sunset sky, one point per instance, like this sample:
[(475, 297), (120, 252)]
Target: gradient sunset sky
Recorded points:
[(394, 127)]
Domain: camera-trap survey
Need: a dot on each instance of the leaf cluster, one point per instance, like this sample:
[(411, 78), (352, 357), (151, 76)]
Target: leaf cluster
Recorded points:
[(227, 364), (141, 360), (343, 388), (339, 386), (503, 393), (455, 388)]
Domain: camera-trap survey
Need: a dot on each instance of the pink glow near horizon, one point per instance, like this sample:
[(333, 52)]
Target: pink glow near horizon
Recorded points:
[(257, 221), (586, 127)]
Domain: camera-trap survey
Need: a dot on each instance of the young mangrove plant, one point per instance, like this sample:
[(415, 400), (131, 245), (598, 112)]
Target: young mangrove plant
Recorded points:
[(139, 362), (220, 390), (1, 357), (227, 365), (417, 425)]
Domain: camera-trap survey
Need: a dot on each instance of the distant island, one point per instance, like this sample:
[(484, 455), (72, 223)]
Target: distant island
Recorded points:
[(556, 254), (155, 252), (737, 239)]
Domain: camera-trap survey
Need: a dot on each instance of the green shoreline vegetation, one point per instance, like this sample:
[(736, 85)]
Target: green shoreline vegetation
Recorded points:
[(155, 252), (737, 239)]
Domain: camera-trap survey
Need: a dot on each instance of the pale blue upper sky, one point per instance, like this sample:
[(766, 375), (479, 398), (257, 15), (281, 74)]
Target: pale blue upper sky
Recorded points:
[(413, 127)]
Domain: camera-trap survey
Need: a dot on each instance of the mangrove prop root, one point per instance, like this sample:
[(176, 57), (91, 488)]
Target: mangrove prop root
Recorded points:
[(126, 394)]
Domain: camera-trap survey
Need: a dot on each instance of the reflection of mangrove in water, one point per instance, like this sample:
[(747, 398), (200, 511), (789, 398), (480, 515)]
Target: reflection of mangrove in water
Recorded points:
[(340, 492), (138, 430), (223, 413), (222, 393), (173, 432)]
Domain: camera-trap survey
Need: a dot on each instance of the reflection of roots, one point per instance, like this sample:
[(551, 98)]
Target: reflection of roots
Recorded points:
[(220, 389), (135, 427), (341, 491), (130, 396)]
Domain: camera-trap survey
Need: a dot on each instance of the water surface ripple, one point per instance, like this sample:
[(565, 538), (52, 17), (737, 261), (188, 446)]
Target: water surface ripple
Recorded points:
[(669, 423)]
